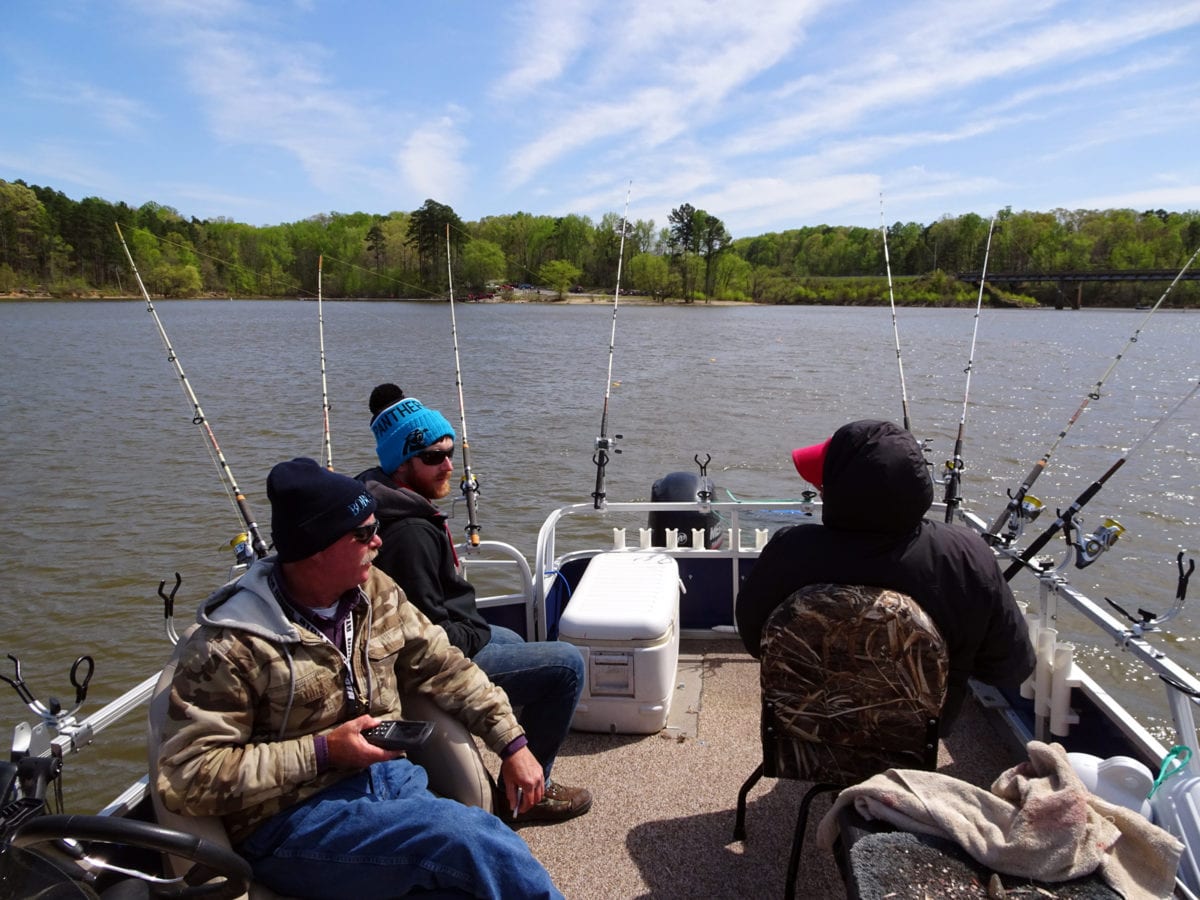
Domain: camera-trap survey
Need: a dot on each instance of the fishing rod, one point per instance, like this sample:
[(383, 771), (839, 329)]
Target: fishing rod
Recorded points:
[(1016, 499), (604, 443), (1066, 519), (954, 467), (198, 417), (470, 487), (324, 388), (895, 328)]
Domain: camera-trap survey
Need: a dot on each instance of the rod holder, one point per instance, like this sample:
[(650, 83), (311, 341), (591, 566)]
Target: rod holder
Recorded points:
[(1043, 674), (1034, 624), (618, 538), (1063, 679)]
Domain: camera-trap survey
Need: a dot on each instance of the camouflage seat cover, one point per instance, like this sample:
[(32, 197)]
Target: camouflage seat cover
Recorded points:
[(853, 679)]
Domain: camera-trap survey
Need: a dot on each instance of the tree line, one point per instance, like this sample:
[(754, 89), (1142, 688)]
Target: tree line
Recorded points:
[(53, 245)]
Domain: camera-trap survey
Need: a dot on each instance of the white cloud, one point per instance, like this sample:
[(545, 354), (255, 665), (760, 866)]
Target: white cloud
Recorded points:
[(431, 160), (551, 32), (114, 111), (1174, 196)]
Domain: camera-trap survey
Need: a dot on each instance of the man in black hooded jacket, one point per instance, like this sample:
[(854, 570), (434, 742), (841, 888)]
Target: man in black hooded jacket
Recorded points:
[(415, 445), (875, 491)]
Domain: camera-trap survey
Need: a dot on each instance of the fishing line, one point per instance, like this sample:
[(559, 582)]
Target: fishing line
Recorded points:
[(1065, 519), (954, 467), (198, 417), (603, 442), (324, 388), (895, 328), (1017, 497), (470, 487)]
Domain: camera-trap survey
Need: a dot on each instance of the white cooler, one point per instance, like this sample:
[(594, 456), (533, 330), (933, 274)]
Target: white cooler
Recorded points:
[(624, 618)]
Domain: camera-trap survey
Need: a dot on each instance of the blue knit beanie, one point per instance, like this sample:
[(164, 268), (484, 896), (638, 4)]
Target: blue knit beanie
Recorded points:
[(312, 507), (406, 428)]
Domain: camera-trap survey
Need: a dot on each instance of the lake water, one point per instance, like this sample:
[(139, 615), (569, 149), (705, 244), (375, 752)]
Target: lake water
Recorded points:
[(108, 487)]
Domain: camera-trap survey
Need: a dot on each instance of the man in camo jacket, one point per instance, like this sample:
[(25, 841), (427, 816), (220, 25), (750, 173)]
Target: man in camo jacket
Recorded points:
[(290, 664)]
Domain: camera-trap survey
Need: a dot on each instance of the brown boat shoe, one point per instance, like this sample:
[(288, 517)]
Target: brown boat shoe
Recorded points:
[(558, 804)]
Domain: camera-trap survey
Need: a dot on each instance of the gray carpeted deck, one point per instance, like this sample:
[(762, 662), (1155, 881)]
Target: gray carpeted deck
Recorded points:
[(662, 822)]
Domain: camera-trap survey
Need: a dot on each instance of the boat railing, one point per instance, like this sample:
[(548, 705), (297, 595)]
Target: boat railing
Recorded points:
[(1057, 673), (743, 537), (497, 563), (1050, 687)]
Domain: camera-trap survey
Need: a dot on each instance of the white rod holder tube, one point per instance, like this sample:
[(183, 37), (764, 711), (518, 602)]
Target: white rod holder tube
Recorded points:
[(1034, 624), (1043, 674), (1061, 717)]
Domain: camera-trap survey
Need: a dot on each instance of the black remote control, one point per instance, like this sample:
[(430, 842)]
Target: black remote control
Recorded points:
[(399, 734)]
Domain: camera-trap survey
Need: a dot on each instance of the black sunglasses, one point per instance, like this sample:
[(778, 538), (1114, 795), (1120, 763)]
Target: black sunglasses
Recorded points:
[(364, 533), (435, 457)]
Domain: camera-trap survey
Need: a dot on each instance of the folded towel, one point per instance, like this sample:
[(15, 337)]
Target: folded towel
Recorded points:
[(1038, 821)]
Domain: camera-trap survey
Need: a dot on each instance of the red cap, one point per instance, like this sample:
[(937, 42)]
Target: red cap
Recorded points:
[(810, 462)]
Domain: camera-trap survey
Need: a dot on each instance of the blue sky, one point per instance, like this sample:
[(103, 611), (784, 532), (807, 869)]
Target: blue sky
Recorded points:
[(769, 114)]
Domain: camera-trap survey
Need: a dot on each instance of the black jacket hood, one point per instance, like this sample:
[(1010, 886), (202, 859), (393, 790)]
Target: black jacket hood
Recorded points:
[(394, 502), (875, 479)]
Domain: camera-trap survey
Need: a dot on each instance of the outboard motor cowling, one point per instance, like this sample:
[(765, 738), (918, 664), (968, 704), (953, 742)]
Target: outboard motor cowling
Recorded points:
[(684, 487)]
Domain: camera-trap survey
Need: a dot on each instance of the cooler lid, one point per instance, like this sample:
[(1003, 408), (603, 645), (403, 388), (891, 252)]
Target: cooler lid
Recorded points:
[(623, 595)]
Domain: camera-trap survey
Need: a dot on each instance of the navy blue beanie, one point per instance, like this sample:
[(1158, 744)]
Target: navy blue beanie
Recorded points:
[(312, 507), (406, 428)]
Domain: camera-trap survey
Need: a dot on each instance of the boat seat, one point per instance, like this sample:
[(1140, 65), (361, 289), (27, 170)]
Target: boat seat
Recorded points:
[(450, 757), (853, 679)]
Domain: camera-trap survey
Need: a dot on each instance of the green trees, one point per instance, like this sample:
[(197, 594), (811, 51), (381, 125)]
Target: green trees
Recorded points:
[(559, 275), (427, 231), (649, 274), (693, 232), (482, 261), (51, 243), (24, 229)]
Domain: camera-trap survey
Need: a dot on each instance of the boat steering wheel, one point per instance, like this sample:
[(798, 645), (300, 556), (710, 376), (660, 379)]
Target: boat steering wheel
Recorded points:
[(213, 861)]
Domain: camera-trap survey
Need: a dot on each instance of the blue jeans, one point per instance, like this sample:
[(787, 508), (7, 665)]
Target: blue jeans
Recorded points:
[(381, 833), (544, 679)]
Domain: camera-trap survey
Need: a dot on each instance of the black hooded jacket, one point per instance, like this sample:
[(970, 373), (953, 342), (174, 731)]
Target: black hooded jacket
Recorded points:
[(418, 554), (876, 492)]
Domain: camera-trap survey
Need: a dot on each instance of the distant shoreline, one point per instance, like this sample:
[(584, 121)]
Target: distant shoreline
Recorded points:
[(545, 299)]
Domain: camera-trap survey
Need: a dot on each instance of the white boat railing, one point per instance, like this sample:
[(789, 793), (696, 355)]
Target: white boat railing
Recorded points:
[(736, 519), (1057, 673), (511, 566)]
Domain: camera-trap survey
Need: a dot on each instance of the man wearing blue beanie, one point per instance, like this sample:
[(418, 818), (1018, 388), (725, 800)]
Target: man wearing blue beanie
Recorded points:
[(544, 679), (273, 692)]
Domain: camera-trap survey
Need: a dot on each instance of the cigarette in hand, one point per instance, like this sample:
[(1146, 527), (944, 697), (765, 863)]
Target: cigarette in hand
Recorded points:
[(517, 805)]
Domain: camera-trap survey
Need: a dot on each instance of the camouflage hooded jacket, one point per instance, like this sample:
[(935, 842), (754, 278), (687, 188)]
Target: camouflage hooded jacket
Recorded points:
[(251, 690)]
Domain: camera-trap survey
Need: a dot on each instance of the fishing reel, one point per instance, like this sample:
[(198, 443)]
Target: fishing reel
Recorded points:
[(243, 549), (1089, 549), (1022, 514), (607, 445), (951, 468)]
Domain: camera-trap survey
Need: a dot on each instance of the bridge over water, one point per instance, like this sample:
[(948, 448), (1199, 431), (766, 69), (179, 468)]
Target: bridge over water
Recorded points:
[(1078, 278)]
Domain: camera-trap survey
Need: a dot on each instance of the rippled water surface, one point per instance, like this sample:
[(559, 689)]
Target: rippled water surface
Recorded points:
[(108, 486)]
